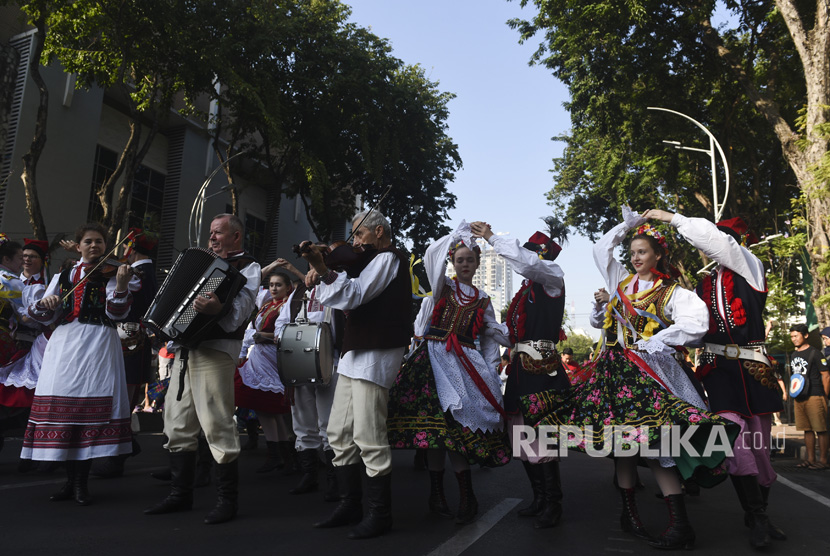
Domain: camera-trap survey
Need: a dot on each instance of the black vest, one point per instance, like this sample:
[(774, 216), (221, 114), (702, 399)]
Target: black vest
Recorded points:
[(386, 321), (736, 385), (533, 315), (93, 302)]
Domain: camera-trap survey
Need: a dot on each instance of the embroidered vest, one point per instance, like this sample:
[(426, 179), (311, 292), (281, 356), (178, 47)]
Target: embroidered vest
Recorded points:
[(88, 303), (269, 313), (652, 301), (534, 315), (728, 322), (450, 317)]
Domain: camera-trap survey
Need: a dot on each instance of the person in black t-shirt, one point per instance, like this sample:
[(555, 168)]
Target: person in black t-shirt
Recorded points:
[(811, 405)]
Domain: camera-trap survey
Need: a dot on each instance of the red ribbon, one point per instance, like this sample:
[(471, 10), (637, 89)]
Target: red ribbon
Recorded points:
[(454, 345), (637, 360)]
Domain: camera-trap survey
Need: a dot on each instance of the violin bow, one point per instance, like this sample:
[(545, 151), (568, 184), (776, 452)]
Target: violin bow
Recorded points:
[(371, 210), (101, 261)]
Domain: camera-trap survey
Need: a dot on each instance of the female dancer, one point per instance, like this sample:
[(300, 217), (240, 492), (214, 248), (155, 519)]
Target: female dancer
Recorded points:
[(80, 409), (447, 396), (636, 381), (257, 382)]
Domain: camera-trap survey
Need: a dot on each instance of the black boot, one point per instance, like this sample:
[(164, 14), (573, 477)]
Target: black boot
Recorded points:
[(419, 462), (183, 471), (752, 501), (552, 512), (378, 518), (437, 499), (630, 518), (468, 505), (204, 463), (774, 532), (110, 468), (227, 480), (67, 491), (164, 475), (350, 509), (309, 463), (535, 476), (679, 533), (80, 491), (252, 428), (332, 493), (272, 459), (289, 456)]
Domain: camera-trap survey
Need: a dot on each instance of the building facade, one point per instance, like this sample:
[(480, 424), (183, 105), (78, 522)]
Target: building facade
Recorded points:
[(86, 132)]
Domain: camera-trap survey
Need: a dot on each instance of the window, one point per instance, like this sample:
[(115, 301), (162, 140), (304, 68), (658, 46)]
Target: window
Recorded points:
[(254, 234), (146, 197)]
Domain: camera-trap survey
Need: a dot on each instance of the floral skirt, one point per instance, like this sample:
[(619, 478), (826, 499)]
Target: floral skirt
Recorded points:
[(617, 393), (416, 419)]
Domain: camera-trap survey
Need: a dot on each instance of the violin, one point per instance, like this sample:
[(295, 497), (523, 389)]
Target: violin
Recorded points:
[(109, 268), (341, 256)]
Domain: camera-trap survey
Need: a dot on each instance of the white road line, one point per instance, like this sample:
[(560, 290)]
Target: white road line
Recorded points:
[(805, 491), (465, 538)]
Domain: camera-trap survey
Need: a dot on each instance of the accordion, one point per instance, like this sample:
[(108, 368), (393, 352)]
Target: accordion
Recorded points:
[(196, 272)]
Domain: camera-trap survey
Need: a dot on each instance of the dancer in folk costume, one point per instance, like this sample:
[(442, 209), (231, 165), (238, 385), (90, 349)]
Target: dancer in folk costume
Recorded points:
[(735, 368), (447, 397), (80, 409), (533, 328), (18, 377), (257, 382), (636, 381)]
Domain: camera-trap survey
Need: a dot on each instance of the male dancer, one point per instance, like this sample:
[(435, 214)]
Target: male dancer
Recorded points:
[(734, 367), (534, 322), (378, 329), (207, 401)]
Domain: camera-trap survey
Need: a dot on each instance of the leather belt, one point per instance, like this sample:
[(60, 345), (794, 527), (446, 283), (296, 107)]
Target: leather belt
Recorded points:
[(537, 349), (734, 352)]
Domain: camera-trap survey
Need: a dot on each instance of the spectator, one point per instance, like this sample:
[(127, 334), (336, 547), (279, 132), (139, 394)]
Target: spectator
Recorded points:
[(568, 362), (825, 339), (810, 404)]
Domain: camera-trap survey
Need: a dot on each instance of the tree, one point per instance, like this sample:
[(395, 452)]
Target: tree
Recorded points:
[(331, 114), (758, 81), (581, 345), (149, 53)]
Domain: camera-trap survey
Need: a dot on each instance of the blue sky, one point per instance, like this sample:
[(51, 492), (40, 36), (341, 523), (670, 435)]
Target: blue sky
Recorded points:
[(503, 117)]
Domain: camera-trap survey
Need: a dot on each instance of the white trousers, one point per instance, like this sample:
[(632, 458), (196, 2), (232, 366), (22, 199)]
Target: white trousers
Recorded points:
[(207, 404), (357, 426), (310, 414)]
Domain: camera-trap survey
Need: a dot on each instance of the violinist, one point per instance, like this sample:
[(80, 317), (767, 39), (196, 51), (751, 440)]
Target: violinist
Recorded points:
[(80, 409), (378, 329), (135, 344)]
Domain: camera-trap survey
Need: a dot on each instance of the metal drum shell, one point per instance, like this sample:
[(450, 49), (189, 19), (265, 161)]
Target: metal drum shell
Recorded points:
[(303, 361)]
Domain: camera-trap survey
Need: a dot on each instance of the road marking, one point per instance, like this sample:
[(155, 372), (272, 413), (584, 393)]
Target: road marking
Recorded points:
[(465, 538), (805, 491)]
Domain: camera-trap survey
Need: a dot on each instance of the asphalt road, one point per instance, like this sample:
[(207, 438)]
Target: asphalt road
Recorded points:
[(273, 522)]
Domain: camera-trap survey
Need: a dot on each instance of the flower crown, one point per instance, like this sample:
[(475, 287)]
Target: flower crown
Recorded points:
[(458, 245), (649, 230)]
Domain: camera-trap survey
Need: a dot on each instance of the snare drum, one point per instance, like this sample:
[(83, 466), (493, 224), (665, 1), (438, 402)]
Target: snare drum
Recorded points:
[(305, 354)]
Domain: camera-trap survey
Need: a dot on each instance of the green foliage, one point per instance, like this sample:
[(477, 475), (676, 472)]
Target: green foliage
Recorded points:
[(620, 57), (332, 114), (581, 345)]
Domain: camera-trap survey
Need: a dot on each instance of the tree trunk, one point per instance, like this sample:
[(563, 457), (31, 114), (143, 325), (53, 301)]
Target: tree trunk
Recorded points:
[(31, 158)]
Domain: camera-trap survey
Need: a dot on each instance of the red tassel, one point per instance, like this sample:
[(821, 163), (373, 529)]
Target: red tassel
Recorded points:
[(738, 311), (562, 335), (438, 311)]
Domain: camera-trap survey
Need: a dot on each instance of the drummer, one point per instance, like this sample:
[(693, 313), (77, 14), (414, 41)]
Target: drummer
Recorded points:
[(376, 334), (311, 402)]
